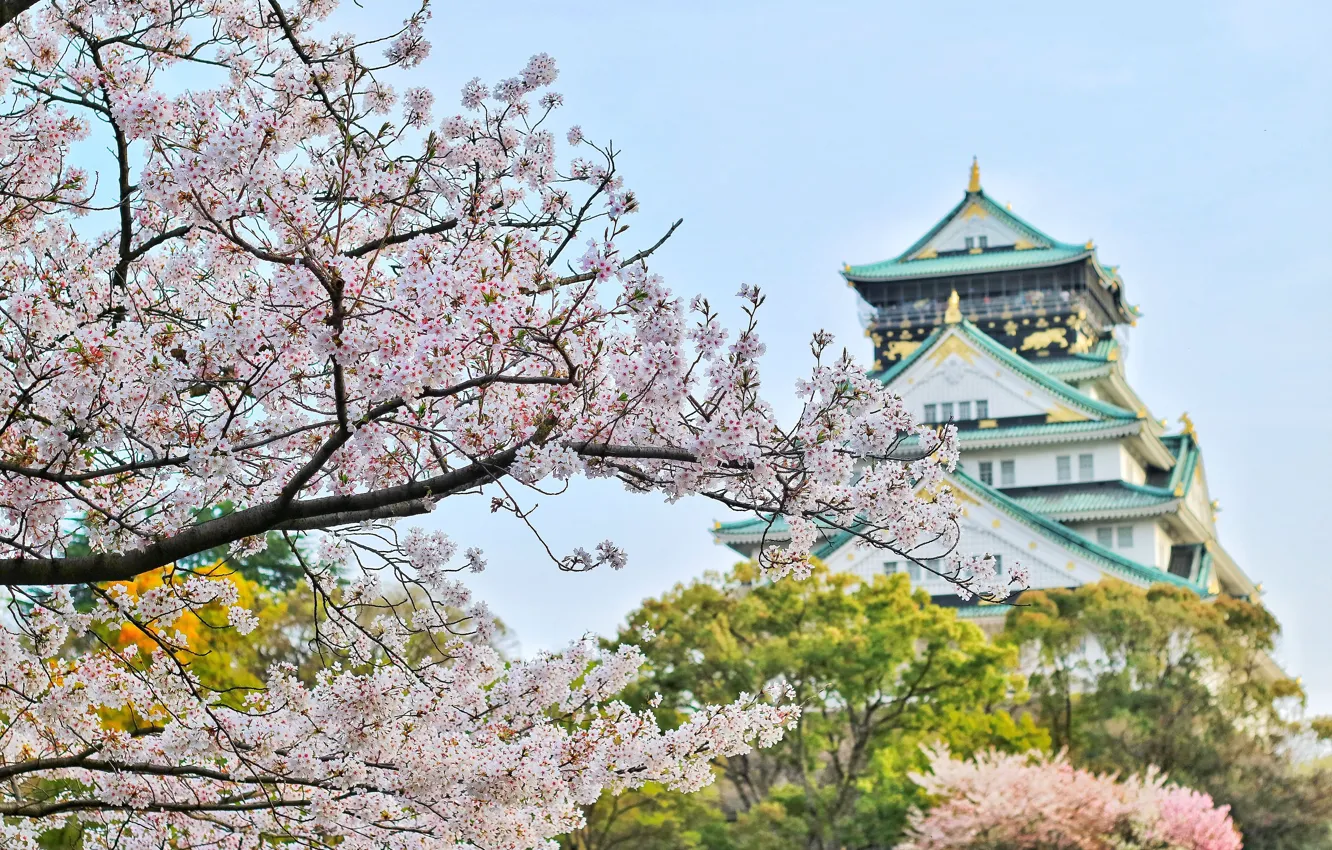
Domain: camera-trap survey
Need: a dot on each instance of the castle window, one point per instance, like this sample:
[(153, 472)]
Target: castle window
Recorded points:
[(1007, 473), (913, 572), (971, 243), (930, 413), (987, 472), (946, 410), (1125, 536), (982, 409), (999, 565), (983, 241), (1105, 537), (963, 410), (889, 567), (1063, 468), (1086, 467)]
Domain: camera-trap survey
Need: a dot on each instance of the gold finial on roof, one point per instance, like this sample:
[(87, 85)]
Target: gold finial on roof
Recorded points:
[(1090, 245), (974, 184), (1188, 425), (953, 314)]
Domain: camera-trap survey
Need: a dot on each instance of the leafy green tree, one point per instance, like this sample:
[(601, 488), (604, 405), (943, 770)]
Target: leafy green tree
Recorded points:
[(878, 670), (1126, 678)]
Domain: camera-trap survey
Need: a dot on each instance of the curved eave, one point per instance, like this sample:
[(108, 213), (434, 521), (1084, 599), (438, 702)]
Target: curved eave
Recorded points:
[(1115, 513), (1086, 372), (1002, 441), (1031, 260)]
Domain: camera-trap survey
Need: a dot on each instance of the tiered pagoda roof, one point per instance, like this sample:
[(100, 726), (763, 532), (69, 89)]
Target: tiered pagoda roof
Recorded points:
[(1032, 292), (985, 305)]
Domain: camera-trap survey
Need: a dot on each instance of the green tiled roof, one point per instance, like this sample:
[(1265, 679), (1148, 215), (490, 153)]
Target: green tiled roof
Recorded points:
[(1097, 499), (1090, 428), (951, 264), (1185, 449), (1018, 364), (1070, 368), (776, 528), (1083, 364)]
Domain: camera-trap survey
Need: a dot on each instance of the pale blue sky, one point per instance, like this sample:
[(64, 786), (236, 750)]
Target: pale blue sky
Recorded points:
[(1190, 140)]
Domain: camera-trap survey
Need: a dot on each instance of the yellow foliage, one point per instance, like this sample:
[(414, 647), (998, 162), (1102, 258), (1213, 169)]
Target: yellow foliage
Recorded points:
[(197, 626)]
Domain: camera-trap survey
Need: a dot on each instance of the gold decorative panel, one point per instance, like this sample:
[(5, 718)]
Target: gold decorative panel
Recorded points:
[(950, 346), (1046, 338), (900, 348), (1059, 413)]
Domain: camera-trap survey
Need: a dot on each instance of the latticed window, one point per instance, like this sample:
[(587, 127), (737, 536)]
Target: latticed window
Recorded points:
[(1008, 473), (1063, 468), (987, 472), (1086, 467), (982, 409)]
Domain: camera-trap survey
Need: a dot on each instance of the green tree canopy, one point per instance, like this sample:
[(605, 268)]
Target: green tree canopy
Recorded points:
[(878, 670), (1126, 678)]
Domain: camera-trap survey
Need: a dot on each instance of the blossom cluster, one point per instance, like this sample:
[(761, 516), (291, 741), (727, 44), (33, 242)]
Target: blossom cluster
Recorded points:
[(1029, 802), (301, 295)]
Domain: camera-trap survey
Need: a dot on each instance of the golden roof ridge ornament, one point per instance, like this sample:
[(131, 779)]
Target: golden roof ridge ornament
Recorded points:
[(973, 186), (1188, 425), (953, 315)]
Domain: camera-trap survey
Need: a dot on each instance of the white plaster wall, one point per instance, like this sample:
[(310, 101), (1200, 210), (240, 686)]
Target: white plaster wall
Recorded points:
[(1151, 542), (969, 375), (956, 381), (1129, 468), (1036, 465), (1199, 500), (953, 236)]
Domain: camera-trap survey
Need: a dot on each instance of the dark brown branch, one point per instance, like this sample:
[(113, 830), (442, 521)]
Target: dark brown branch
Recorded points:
[(313, 513), (399, 238)]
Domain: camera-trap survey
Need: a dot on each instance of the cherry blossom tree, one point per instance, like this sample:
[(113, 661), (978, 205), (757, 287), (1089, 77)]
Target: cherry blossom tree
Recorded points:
[(298, 292), (1032, 802)]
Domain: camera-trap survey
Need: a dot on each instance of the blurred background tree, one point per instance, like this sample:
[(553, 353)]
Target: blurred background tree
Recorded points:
[(1125, 678)]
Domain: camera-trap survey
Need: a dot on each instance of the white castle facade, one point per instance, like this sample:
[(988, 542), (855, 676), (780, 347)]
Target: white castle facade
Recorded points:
[(1014, 337)]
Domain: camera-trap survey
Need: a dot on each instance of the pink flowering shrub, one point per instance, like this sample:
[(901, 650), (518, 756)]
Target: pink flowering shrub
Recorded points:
[(1034, 802), (288, 288)]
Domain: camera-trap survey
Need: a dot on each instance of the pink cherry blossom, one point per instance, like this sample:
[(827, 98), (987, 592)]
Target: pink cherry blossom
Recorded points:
[(287, 294), (1032, 802)]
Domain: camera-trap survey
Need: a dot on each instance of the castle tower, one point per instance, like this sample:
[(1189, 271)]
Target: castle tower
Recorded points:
[(1014, 336)]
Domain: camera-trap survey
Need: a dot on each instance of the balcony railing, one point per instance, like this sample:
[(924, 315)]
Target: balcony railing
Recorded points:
[(930, 311)]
